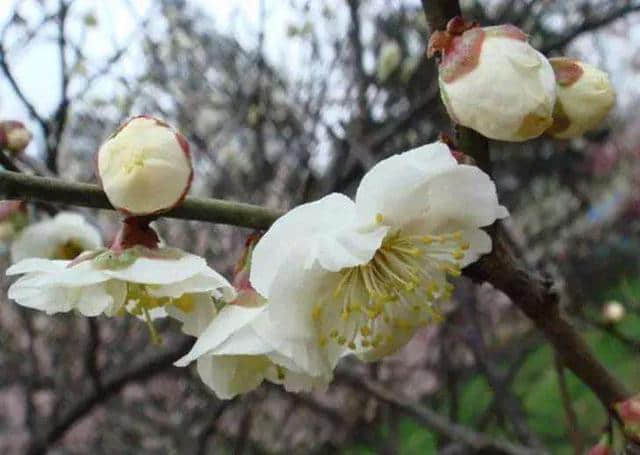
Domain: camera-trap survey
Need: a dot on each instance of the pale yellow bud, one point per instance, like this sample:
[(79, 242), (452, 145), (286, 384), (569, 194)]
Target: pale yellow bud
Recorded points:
[(584, 98), (145, 167)]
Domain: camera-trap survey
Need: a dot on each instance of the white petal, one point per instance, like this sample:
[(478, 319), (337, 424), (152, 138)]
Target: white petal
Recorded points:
[(36, 265), (480, 244), (93, 300), (230, 320), (195, 321), (287, 324), (200, 283), (229, 376), (464, 196), (42, 239), (160, 271), (82, 274), (392, 187), (325, 231)]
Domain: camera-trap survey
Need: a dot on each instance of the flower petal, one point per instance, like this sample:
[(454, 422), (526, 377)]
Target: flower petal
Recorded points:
[(160, 270), (195, 321), (230, 320), (326, 232), (391, 187), (36, 265), (212, 281), (463, 196), (229, 376)]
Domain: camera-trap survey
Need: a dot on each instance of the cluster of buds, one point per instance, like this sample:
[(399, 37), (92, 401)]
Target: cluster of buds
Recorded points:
[(14, 136), (493, 81)]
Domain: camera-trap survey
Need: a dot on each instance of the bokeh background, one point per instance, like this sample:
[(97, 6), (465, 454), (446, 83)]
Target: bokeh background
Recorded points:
[(283, 102)]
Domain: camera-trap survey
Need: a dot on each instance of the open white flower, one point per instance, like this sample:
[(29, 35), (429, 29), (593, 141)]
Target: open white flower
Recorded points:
[(362, 277), (232, 357), (137, 280), (64, 236)]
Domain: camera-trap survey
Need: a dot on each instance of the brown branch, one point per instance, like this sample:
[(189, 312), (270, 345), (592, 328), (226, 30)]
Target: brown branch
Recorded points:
[(140, 372), (589, 25), (530, 292)]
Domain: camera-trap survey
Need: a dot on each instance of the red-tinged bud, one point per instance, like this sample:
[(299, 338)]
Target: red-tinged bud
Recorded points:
[(493, 81), (145, 167), (247, 295), (601, 448), (585, 97), (629, 413), (14, 136), (9, 208)]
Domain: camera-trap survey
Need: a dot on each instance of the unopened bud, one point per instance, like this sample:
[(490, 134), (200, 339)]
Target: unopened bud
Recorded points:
[(585, 97), (389, 60), (493, 81), (145, 167), (246, 294), (629, 413), (613, 312), (601, 448), (14, 136)]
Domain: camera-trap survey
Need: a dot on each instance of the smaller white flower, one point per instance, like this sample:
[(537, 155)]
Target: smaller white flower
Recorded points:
[(232, 358), (137, 280), (585, 97), (145, 167), (235, 351), (64, 236)]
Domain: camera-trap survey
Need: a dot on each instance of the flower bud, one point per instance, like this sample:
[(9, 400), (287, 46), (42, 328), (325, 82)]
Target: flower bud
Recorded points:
[(145, 167), (629, 413), (389, 60), (585, 97), (613, 312), (14, 136), (601, 448), (493, 81), (246, 294)]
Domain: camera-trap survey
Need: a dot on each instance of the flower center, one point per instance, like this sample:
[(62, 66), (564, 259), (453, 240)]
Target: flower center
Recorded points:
[(139, 303), (135, 161), (68, 250), (373, 304)]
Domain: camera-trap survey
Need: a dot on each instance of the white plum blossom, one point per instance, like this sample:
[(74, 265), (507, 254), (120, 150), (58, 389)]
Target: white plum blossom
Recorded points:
[(64, 236), (360, 277), (233, 357), (493, 81), (145, 167), (233, 351), (585, 97), (137, 280)]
